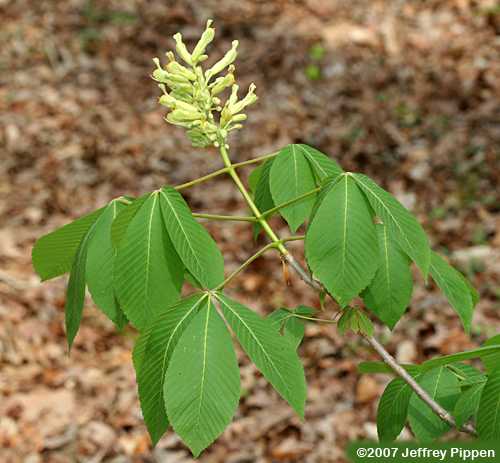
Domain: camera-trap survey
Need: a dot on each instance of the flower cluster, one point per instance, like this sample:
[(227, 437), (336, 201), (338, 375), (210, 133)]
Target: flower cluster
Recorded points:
[(194, 95)]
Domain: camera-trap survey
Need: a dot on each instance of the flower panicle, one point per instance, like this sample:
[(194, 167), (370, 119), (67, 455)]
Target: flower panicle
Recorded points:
[(194, 95)]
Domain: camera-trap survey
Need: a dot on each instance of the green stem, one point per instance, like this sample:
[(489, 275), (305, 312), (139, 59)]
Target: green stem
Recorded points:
[(246, 264), (236, 218), (314, 319), (255, 256), (291, 201), (246, 195), (224, 170)]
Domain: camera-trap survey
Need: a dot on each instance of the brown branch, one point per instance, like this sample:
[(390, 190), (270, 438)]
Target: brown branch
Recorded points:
[(402, 373), (388, 358)]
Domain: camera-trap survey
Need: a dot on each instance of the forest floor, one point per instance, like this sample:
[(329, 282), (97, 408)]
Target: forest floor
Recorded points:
[(407, 92)]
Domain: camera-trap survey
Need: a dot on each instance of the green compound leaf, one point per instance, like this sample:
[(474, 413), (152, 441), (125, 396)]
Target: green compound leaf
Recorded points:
[(254, 177), (381, 367), (124, 217), (467, 404), (193, 243), (152, 352), (54, 253), (290, 326), (148, 271), (341, 242), (75, 293), (322, 165), (100, 265), (466, 374), (291, 176), (454, 287), (401, 224), (491, 358), (443, 387), (389, 293), (488, 414), (393, 409), (202, 386), (480, 352), (273, 355), (262, 193), (325, 187)]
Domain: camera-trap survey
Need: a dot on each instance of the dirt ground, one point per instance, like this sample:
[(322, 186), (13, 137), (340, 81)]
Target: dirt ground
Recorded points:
[(408, 92)]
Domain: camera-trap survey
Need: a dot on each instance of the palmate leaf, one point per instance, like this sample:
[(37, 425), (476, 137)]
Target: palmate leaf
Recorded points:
[(273, 355), (481, 352), (202, 386), (392, 409), (254, 177), (124, 217), (488, 414), (341, 241), (291, 176), (262, 193), (195, 246), (401, 224), (148, 271), (75, 293), (467, 404), (289, 325), (455, 288), (325, 187), (467, 374), (100, 265), (321, 165), (491, 358), (381, 367), (54, 253), (443, 387), (152, 352), (389, 293)]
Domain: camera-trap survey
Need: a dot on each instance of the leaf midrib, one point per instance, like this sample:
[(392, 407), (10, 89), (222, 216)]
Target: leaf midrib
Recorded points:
[(181, 321), (363, 185), (186, 236), (387, 272), (444, 282), (295, 175), (159, 391), (344, 247), (203, 373), (313, 160), (257, 341), (148, 250)]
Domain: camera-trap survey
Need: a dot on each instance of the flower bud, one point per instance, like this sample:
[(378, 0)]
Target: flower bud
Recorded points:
[(167, 100), (239, 118), (225, 61), (179, 115), (160, 75), (181, 49), (249, 99), (206, 38), (186, 107), (221, 83), (176, 68), (234, 95)]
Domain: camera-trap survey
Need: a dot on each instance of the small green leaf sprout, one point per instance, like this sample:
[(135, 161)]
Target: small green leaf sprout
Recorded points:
[(193, 95)]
